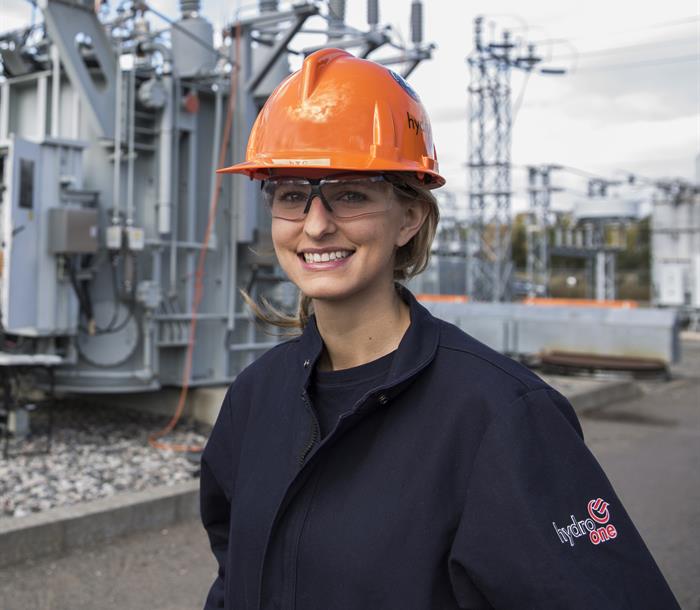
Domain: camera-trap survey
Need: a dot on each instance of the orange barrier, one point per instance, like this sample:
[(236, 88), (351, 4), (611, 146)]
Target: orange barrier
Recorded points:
[(443, 298), (611, 304)]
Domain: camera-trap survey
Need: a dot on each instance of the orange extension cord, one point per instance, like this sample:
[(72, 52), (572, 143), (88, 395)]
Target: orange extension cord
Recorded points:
[(153, 438)]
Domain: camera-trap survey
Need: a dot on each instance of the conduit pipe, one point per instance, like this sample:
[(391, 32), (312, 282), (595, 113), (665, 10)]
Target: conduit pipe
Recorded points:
[(55, 91), (165, 160), (116, 194), (132, 151)]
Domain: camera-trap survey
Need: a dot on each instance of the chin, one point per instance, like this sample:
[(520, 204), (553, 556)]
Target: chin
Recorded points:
[(327, 290)]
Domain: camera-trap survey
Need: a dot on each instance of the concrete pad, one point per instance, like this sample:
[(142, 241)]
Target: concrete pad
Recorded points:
[(586, 394)]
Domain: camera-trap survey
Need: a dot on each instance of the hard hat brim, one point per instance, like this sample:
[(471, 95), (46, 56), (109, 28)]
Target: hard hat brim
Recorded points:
[(257, 170)]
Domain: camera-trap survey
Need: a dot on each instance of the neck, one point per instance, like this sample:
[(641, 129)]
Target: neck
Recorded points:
[(356, 331)]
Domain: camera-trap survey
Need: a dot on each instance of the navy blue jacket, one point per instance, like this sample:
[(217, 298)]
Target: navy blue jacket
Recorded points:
[(461, 482)]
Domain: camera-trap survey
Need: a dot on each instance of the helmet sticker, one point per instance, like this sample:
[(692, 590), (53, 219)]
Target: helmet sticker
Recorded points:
[(404, 85), (301, 162)]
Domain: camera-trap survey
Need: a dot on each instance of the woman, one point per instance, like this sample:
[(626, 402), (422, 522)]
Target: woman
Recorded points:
[(383, 458)]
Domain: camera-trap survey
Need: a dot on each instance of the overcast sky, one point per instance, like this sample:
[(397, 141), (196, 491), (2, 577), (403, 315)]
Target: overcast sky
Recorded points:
[(629, 101)]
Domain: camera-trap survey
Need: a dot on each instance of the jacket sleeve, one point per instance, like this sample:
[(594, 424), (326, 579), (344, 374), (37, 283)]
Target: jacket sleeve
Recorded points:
[(215, 494), (541, 526)]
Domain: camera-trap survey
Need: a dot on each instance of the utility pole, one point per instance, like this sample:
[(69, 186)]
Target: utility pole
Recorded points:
[(489, 264)]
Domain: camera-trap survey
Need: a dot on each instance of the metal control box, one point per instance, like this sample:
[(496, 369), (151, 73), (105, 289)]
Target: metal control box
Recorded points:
[(72, 231)]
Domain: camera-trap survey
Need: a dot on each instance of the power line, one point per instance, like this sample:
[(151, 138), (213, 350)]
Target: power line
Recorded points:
[(663, 24), (639, 64), (623, 49)]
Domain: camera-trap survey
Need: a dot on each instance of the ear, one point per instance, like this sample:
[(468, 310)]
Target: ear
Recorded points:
[(413, 215)]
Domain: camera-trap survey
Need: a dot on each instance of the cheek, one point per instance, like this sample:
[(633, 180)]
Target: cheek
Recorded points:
[(281, 234), (283, 241)]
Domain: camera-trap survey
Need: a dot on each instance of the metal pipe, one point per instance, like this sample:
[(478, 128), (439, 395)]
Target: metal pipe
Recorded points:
[(55, 91), (75, 115), (186, 317), (41, 95), (173, 168), (131, 107), (242, 347), (165, 160), (148, 344), (192, 215), (116, 195), (4, 110), (232, 260), (216, 143)]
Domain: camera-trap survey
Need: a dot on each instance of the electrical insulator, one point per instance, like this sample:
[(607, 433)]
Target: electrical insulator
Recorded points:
[(267, 6), (372, 12), (336, 8), (417, 22), (188, 8)]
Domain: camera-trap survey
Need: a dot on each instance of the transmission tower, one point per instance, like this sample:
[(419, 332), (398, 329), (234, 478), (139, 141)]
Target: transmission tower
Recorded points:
[(489, 264)]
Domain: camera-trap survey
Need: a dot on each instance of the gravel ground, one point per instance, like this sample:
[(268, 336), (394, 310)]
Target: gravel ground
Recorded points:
[(95, 452)]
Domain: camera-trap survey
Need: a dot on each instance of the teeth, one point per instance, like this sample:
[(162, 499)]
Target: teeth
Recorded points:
[(325, 256)]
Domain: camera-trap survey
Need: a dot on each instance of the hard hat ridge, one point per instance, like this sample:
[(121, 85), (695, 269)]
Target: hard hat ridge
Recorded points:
[(313, 66), (339, 112), (383, 133)]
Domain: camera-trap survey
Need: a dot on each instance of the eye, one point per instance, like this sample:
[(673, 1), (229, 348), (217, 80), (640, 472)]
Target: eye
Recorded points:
[(349, 196), (290, 196)]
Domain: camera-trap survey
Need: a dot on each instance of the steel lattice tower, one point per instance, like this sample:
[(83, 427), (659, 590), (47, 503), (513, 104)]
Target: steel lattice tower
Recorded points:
[(540, 190), (489, 264)]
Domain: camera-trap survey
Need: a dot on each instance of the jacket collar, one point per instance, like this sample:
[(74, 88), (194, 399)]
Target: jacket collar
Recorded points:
[(416, 349)]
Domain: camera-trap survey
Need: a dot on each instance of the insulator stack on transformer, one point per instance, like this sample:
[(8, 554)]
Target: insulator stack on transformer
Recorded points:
[(373, 13), (189, 8), (192, 42), (336, 11), (267, 6), (417, 22)]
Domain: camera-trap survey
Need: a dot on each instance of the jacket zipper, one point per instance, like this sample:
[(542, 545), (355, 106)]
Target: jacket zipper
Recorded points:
[(315, 431), (315, 434)]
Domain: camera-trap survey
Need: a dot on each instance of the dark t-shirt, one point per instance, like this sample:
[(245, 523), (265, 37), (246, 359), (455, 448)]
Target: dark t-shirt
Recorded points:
[(336, 392)]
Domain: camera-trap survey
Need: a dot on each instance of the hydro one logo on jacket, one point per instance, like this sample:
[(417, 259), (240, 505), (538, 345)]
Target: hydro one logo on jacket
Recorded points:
[(596, 527)]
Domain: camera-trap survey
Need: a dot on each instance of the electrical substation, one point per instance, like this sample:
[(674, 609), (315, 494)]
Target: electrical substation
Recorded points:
[(110, 134), (119, 240), (565, 242)]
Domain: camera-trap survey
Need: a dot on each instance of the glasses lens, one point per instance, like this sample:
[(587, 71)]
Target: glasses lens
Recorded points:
[(286, 197), (356, 196)]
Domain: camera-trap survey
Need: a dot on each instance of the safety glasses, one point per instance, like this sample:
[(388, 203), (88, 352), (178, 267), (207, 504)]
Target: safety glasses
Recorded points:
[(344, 195)]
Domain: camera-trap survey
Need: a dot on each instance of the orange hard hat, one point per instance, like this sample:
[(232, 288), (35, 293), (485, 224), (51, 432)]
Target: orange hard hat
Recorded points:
[(342, 113)]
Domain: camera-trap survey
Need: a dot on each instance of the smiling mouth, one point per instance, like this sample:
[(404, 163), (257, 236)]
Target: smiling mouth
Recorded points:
[(324, 257)]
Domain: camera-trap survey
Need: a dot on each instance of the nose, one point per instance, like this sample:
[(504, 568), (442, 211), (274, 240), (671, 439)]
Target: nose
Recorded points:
[(318, 221)]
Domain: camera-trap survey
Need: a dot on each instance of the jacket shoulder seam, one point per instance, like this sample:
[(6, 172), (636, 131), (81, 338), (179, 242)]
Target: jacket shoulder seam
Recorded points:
[(494, 364)]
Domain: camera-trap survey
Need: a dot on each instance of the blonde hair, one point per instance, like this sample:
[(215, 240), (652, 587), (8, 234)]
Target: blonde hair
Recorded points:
[(410, 260)]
